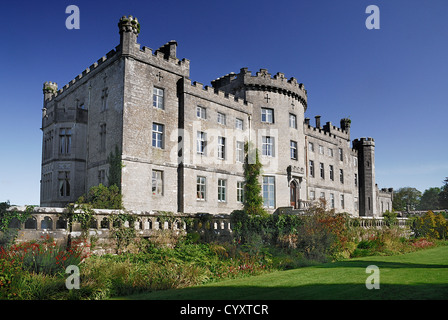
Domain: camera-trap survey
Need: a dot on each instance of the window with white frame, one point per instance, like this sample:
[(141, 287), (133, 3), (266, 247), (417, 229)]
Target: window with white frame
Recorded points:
[(269, 191), (221, 118), (157, 135), (322, 170), (157, 182), (311, 146), (341, 155), (292, 121), (332, 200), (157, 98), (201, 188), (221, 148), (240, 191), (331, 172), (293, 149), (267, 115), (222, 184), (201, 142), (267, 146), (240, 151), (312, 195), (311, 164), (201, 112), (239, 124), (322, 195), (330, 152), (342, 202), (321, 149)]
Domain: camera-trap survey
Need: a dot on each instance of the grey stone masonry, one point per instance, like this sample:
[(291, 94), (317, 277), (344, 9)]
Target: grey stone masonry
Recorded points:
[(181, 143)]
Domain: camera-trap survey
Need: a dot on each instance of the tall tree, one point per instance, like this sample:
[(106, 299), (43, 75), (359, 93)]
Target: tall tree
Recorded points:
[(443, 195), (406, 198), (430, 199)]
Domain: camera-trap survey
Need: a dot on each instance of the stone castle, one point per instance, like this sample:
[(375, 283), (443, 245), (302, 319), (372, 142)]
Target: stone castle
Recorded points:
[(181, 143)]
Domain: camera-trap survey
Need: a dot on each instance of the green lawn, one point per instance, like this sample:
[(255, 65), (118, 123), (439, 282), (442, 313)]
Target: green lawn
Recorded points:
[(418, 275)]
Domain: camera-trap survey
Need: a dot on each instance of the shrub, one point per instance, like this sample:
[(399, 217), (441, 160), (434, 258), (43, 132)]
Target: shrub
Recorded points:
[(430, 225)]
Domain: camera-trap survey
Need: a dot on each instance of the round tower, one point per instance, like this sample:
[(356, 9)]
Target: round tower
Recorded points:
[(366, 176), (279, 105)]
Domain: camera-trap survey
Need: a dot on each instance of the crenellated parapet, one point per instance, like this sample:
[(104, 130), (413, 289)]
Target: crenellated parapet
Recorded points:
[(129, 24), (363, 142), (262, 81), (217, 96)]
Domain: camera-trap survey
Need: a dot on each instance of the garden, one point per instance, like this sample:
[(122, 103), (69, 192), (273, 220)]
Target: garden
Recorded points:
[(260, 244)]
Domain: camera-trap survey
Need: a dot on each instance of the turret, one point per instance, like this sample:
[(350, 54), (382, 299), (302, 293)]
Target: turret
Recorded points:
[(366, 176), (49, 89), (129, 28)]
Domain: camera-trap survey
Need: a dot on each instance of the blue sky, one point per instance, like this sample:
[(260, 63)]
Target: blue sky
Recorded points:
[(391, 82)]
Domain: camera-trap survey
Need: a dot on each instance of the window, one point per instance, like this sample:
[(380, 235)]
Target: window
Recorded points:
[(268, 146), (222, 190), (355, 161), (157, 98), (269, 192), (322, 195), (102, 176), (240, 191), (240, 151), (103, 137), (311, 146), (341, 175), (200, 188), (157, 182), (46, 185), (221, 148), (201, 142), (356, 179), (341, 155), (311, 168), (221, 118), (322, 170), (331, 173), (332, 200), (292, 121), (48, 145), (293, 148), (312, 195), (64, 183), (342, 201), (157, 135), (104, 96), (267, 115), (330, 152), (321, 149), (239, 124), (201, 112), (65, 141)]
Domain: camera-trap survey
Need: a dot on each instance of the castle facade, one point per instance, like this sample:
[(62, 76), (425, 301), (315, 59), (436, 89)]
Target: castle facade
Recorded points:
[(181, 143)]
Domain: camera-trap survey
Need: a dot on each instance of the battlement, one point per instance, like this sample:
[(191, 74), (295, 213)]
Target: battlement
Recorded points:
[(51, 88), (328, 130), (262, 80), (364, 142), (218, 96), (129, 24)]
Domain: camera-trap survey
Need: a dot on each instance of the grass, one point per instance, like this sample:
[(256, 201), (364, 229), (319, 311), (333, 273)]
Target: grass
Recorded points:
[(421, 275)]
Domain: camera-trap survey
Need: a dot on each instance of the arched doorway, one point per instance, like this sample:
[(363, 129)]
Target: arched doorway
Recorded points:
[(294, 194)]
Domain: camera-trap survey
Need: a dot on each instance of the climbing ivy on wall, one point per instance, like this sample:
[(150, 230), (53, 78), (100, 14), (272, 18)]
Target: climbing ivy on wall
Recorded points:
[(115, 166), (253, 201)]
